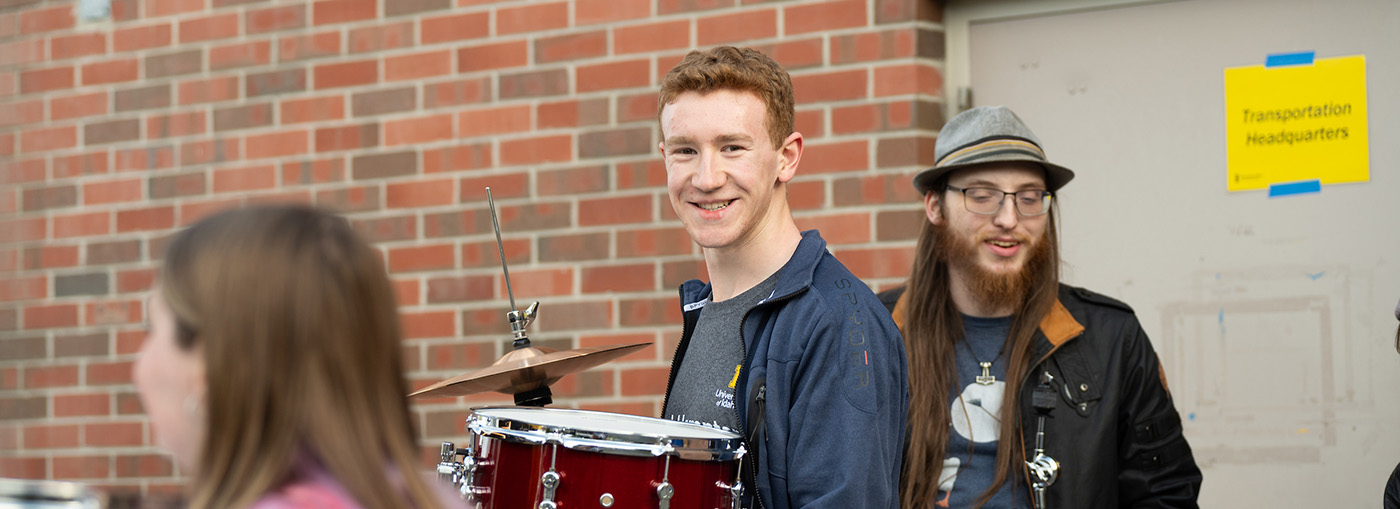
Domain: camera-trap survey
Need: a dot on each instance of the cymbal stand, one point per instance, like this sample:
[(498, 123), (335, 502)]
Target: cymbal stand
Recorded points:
[(519, 320)]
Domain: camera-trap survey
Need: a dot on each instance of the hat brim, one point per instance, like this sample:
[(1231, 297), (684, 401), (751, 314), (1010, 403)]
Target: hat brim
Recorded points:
[(1056, 176)]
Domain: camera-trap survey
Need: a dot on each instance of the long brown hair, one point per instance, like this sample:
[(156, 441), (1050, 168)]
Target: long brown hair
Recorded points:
[(931, 328), (300, 336)]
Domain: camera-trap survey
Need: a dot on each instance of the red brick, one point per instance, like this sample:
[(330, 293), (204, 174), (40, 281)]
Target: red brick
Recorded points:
[(42, 140), (653, 242), (81, 405), (539, 282), (418, 194), (303, 47), (281, 81), (532, 18), (179, 124), (45, 20), (830, 86), (137, 280), (534, 84), (22, 52), (342, 11), (806, 194), (154, 218), (418, 130), (219, 26), (457, 158), (312, 109), (139, 38), (82, 467), (408, 259), (74, 106), (588, 12), (644, 381), (675, 6), (24, 468), (109, 373), (243, 54), (50, 257), (84, 224), (462, 289), (30, 288), (821, 16), (31, 170), (887, 262), (639, 277), (194, 211), (114, 191), (274, 19), (51, 436), (330, 139), (44, 80), (797, 54), (543, 149), (245, 179), (487, 254), (21, 113), (406, 292), (571, 47), (346, 74), (157, 8), (461, 356), (433, 324), (80, 45), (210, 90), (144, 465), (640, 175), (473, 25), (176, 185), (36, 377), (7, 145), (572, 113), (650, 311), (666, 35), (278, 144), (603, 211), (381, 37), (853, 228), (493, 121), (486, 57), (868, 47), (908, 79), (314, 172), (837, 157), (741, 26), (613, 75), (418, 65), (114, 434)]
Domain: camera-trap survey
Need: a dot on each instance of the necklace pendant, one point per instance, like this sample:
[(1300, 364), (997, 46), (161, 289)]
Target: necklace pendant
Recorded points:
[(986, 378)]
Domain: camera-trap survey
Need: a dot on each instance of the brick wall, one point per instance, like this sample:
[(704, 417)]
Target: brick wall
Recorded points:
[(398, 113)]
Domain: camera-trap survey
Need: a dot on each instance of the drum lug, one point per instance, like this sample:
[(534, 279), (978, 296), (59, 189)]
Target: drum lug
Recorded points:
[(665, 491), (550, 481), (736, 493)]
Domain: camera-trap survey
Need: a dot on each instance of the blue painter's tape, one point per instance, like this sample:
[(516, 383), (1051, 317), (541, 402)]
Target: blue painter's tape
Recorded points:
[(1306, 186), (1299, 58)]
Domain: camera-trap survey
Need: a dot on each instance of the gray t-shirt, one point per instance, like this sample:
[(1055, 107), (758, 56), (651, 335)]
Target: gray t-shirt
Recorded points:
[(703, 392)]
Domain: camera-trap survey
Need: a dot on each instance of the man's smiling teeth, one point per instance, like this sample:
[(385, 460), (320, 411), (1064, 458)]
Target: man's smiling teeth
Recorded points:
[(715, 205), (1002, 243)]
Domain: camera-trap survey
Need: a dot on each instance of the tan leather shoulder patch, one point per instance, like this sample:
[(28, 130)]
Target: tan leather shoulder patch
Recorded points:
[(1058, 325), (900, 307)]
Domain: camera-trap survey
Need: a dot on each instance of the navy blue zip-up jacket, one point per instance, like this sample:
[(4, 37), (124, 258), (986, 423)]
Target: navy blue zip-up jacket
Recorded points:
[(825, 387)]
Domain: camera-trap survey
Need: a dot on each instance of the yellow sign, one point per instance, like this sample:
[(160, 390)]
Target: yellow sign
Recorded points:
[(1289, 123)]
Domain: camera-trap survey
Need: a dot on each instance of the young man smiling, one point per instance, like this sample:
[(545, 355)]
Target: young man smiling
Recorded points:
[(783, 345), (1000, 351)]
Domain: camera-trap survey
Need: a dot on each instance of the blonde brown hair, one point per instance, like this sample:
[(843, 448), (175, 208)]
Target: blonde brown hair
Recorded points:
[(300, 335), (740, 70), (932, 327)]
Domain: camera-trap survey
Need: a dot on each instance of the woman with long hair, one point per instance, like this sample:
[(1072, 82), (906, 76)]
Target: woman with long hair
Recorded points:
[(272, 368)]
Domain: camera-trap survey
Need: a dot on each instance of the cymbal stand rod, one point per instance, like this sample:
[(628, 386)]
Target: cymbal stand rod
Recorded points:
[(500, 247)]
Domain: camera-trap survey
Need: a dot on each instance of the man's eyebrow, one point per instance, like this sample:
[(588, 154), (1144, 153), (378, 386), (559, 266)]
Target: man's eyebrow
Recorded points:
[(679, 140), (726, 138), (988, 183)]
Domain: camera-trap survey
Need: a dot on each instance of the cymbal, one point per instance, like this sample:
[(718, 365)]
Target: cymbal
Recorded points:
[(527, 369)]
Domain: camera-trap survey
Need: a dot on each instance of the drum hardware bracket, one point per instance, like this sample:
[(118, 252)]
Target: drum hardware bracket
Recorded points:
[(1044, 469), (458, 473), (664, 490), (736, 492), (519, 319), (550, 479)]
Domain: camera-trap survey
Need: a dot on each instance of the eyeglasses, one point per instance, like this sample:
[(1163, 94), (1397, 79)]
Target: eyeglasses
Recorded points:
[(987, 201)]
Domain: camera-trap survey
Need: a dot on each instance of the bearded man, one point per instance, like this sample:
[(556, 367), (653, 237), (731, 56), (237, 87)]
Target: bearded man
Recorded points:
[(1088, 420)]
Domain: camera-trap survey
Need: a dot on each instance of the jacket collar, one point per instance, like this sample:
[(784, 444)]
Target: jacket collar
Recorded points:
[(794, 277), (1058, 326)]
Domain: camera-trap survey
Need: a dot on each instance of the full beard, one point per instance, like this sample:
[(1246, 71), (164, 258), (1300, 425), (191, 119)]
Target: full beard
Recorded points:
[(993, 290)]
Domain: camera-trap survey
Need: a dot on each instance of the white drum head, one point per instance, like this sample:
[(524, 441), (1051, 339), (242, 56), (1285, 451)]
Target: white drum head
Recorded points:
[(604, 432)]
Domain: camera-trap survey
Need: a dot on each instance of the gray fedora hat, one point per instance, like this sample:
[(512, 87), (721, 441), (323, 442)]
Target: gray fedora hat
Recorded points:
[(987, 134)]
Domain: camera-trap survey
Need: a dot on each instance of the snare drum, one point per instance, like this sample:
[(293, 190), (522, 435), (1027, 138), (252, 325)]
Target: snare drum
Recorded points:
[(546, 458), (35, 494)]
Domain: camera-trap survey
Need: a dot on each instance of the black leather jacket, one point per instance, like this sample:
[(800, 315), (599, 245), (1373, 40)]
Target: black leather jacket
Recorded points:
[(1114, 431)]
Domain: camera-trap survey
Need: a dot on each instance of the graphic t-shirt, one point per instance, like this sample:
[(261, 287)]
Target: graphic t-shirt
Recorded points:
[(703, 392), (969, 462)]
